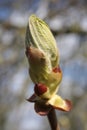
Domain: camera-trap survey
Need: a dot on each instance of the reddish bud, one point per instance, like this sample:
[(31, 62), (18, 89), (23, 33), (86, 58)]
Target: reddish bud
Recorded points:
[(40, 89), (57, 69)]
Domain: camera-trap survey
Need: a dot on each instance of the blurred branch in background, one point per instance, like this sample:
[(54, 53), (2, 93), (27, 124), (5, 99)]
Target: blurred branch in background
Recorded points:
[(68, 22)]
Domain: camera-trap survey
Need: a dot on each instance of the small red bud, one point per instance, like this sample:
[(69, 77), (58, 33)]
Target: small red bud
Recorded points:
[(40, 89), (57, 69)]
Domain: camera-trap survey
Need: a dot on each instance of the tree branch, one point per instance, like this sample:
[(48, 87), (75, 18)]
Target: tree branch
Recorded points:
[(53, 120)]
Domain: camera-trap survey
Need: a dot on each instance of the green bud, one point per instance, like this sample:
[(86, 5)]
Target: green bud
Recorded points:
[(43, 58)]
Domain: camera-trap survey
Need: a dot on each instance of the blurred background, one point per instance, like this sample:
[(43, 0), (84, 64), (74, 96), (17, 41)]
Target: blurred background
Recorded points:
[(68, 22)]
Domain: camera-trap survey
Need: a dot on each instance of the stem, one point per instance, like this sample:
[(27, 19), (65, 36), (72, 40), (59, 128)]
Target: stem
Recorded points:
[(53, 120)]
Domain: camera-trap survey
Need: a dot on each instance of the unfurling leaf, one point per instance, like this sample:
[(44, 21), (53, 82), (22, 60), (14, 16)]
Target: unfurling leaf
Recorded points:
[(38, 35)]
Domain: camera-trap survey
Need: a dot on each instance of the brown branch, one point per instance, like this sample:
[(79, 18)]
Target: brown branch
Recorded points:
[(53, 120)]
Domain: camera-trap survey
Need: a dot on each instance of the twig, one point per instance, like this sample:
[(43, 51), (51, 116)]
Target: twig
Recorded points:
[(53, 120)]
